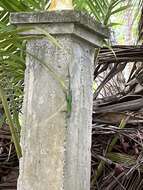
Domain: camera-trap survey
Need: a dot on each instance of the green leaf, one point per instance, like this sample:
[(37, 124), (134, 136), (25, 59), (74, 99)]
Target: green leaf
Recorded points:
[(113, 24), (120, 9), (121, 158), (15, 137), (49, 37)]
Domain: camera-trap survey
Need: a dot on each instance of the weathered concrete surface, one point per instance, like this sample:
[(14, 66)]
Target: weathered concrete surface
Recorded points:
[(56, 148), (59, 18), (43, 135), (78, 143)]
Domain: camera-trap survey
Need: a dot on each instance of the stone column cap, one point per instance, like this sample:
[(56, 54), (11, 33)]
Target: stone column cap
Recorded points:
[(78, 24), (64, 16)]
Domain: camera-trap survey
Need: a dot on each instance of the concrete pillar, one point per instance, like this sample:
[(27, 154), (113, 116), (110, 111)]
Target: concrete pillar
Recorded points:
[(56, 145)]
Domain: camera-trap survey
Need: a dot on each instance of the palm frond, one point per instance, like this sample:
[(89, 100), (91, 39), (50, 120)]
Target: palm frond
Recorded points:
[(102, 10)]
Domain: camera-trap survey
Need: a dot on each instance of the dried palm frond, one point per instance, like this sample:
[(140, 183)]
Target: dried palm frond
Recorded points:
[(111, 68), (122, 166)]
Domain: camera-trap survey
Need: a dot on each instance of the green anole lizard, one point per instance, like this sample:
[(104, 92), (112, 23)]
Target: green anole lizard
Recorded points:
[(69, 97), (69, 103)]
